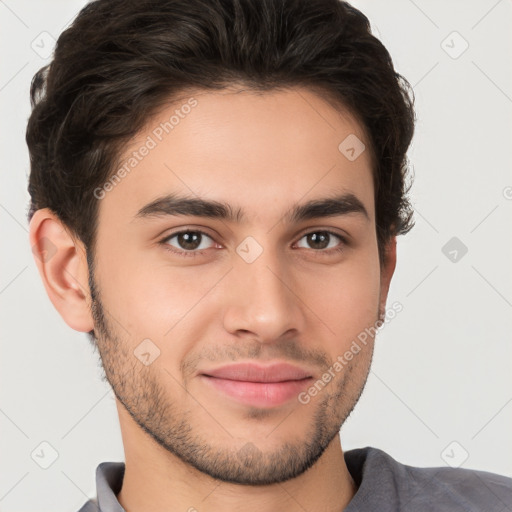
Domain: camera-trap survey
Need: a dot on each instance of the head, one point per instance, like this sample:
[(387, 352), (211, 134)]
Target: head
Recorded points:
[(276, 133)]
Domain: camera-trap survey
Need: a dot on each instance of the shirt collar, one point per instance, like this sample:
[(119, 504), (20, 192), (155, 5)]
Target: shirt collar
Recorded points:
[(360, 462), (109, 480)]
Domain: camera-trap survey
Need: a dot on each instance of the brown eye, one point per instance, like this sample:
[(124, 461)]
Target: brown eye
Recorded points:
[(322, 240), (188, 241)]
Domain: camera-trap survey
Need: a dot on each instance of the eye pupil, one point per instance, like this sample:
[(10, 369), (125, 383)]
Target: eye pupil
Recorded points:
[(321, 237), (184, 239)]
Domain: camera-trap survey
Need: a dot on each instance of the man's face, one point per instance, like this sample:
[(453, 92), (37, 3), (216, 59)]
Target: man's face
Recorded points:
[(264, 288)]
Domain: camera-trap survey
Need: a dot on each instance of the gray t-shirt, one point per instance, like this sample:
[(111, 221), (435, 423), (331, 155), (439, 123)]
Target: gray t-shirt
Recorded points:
[(384, 485)]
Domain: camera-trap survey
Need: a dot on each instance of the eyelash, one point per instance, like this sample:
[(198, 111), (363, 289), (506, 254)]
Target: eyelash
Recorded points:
[(186, 254)]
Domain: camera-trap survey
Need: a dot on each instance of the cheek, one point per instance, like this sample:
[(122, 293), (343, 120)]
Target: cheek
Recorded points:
[(157, 299), (346, 299)]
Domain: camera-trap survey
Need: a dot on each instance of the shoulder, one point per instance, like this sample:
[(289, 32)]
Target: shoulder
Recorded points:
[(470, 489), (434, 488)]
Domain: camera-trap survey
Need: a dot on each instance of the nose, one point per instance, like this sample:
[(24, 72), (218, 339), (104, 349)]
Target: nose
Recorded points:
[(262, 299)]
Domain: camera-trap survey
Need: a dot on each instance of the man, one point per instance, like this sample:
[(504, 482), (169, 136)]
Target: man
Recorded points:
[(221, 185)]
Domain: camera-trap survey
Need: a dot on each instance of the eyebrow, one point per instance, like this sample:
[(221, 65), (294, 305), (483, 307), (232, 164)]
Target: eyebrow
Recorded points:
[(175, 205)]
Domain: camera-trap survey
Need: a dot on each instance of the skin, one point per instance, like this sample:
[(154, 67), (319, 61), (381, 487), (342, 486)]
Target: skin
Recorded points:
[(187, 444)]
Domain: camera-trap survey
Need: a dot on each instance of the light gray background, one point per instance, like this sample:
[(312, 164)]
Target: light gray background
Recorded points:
[(440, 387)]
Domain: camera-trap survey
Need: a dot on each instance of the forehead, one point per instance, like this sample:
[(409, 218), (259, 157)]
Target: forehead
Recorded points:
[(260, 152)]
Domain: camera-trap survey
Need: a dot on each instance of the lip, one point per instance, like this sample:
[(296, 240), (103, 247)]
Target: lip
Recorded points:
[(260, 386), (250, 372)]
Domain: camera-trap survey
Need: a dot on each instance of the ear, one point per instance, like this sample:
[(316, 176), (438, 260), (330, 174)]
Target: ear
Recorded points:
[(386, 272), (62, 264)]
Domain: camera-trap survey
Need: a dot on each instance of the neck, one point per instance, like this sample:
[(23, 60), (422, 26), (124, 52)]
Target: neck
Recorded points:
[(156, 480)]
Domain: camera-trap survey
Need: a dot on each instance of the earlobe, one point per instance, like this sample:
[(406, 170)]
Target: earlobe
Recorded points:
[(62, 264)]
